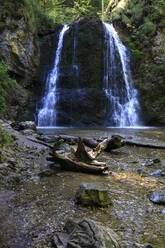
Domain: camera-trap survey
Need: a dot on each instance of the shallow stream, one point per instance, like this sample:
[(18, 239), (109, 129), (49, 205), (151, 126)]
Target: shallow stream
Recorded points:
[(41, 206)]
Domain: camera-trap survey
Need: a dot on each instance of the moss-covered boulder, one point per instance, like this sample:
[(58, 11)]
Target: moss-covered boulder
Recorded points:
[(93, 194)]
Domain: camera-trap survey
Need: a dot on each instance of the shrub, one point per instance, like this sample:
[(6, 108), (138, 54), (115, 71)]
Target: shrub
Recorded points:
[(5, 137), (5, 81), (148, 27)]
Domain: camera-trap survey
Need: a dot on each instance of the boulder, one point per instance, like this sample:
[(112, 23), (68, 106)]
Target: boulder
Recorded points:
[(86, 233), (19, 126), (158, 197), (93, 194), (114, 143)]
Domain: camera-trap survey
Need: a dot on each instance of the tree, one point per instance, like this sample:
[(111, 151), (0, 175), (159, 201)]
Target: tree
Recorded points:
[(102, 9)]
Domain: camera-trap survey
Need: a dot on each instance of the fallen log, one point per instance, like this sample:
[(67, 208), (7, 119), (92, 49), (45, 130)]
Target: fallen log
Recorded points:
[(134, 143), (40, 142), (92, 143), (68, 163)]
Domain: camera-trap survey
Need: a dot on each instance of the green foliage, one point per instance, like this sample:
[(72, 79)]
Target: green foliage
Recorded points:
[(148, 76), (160, 69), (137, 54), (148, 28), (5, 140), (5, 137), (5, 81), (142, 17), (38, 17), (67, 11)]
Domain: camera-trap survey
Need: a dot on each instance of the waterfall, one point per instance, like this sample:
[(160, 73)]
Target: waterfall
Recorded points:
[(75, 68), (47, 114), (121, 98)]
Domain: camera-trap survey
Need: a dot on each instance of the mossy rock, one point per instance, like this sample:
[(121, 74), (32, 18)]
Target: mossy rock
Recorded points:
[(93, 194)]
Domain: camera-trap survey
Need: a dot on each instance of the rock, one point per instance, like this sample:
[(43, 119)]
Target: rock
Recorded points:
[(23, 125), (114, 143), (159, 48), (18, 46), (93, 194), (163, 211), (81, 100), (151, 161), (158, 197), (2, 157), (158, 173), (86, 233), (46, 173), (48, 139), (27, 132)]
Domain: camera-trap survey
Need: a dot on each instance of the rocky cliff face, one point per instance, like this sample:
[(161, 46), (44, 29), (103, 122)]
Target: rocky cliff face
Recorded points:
[(20, 51), (80, 85), (18, 46), (79, 88)]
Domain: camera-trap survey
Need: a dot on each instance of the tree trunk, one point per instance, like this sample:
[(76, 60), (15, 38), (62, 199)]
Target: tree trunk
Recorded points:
[(102, 9)]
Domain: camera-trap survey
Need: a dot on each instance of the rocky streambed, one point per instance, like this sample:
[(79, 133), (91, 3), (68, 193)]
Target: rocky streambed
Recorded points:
[(37, 198)]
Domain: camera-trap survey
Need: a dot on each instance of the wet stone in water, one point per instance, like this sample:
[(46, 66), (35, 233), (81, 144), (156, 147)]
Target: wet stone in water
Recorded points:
[(158, 197), (93, 194)]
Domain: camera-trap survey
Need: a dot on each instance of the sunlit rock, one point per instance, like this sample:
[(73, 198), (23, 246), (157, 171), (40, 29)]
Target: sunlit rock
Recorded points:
[(24, 125), (93, 194)]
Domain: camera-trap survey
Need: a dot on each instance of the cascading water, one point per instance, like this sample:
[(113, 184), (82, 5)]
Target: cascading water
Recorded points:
[(47, 114), (75, 68), (122, 103)]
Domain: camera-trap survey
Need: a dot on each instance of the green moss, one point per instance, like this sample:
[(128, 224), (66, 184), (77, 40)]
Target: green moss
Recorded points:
[(137, 54), (160, 69), (5, 82), (5, 137)]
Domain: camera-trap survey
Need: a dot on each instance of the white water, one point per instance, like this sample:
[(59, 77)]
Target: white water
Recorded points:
[(75, 67), (47, 115), (122, 102)]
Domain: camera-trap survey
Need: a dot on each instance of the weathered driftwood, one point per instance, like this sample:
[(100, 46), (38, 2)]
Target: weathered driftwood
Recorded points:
[(68, 163), (80, 159), (81, 152), (100, 147)]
